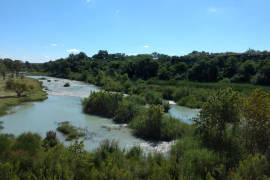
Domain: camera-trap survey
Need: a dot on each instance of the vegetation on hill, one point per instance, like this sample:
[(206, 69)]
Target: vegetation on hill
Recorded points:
[(188, 80)]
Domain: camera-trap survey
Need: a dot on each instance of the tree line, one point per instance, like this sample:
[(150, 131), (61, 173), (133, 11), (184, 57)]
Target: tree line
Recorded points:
[(248, 67)]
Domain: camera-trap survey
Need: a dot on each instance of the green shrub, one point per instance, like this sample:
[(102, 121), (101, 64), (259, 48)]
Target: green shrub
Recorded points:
[(28, 142), (148, 123), (69, 131), (172, 128), (253, 167), (152, 124), (166, 106), (126, 112), (192, 160), (153, 97), (167, 93), (136, 99), (67, 85), (180, 93), (102, 103)]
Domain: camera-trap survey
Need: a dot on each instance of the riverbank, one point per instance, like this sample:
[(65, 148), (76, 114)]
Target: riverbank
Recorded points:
[(9, 98)]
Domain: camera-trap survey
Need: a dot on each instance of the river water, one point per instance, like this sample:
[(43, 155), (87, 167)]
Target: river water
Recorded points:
[(64, 104)]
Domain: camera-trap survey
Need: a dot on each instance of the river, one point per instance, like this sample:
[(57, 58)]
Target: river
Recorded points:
[(64, 104)]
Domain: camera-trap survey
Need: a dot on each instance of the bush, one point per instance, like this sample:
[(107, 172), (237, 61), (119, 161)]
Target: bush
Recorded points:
[(167, 93), (125, 112), (153, 98), (18, 86), (136, 99), (152, 124), (28, 142), (192, 160), (50, 139), (172, 128), (148, 123), (69, 131), (67, 85), (253, 167), (166, 106), (102, 103)]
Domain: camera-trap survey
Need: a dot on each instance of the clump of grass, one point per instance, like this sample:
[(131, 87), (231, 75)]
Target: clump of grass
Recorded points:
[(1, 126), (67, 85), (71, 132)]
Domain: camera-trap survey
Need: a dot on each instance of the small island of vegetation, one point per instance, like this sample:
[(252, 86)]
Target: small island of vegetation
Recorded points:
[(71, 132), (67, 84)]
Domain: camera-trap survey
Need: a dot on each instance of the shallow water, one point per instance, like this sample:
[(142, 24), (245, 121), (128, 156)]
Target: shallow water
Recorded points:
[(64, 104), (182, 113)]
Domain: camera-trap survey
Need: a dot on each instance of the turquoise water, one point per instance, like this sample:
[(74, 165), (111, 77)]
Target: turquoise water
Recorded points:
[(64, 104)]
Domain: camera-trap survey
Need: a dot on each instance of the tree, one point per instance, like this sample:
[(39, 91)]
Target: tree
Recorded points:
[(3, 70), (218, 124), (247, 69), (18, 86), (102, 54), (179, 68), (17, 65), (221, 109), (256, 111), (230, 67)]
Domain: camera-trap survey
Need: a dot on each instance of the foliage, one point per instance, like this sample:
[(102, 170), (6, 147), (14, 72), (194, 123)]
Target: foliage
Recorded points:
[(256, 111), (253, 167), (167, 93), (69, 131), (152, 124), (166, 107), (16, 85), (126, 111), (102, 103), (67, 84), (152, 97), (189, 160)]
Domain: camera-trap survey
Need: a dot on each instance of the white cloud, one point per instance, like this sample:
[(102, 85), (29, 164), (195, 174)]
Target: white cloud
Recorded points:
[(212, 10), (54, 44), (146, 46), (73, 51), (88, 1)]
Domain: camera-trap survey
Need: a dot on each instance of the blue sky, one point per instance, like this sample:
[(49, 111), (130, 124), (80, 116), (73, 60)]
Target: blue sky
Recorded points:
[(42, 30)]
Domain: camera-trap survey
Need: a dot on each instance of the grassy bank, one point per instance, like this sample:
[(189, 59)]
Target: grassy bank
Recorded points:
[(9, 98)]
